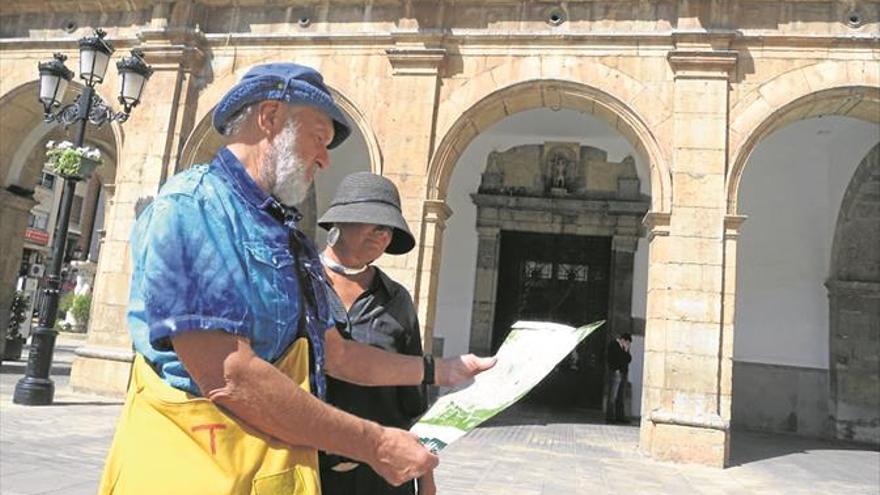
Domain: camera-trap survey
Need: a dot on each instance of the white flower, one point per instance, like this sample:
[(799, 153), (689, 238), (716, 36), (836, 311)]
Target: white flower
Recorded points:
[(50, 144), (64, 145)]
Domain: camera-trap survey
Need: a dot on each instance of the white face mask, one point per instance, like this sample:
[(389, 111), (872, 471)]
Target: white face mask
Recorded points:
[(284, 171)]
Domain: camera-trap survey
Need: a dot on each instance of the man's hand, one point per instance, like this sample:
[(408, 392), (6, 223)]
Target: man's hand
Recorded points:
[(458, 369), (399, 457)]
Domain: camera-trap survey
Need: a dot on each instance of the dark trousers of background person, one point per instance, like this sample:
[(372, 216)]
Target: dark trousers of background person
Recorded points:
[(360, 481), (616, 391)]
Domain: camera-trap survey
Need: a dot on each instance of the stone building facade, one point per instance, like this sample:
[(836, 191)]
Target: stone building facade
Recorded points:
[(693, 86)]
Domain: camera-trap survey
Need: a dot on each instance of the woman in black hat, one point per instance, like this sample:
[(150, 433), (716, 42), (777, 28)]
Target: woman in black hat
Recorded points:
[(364, 221)]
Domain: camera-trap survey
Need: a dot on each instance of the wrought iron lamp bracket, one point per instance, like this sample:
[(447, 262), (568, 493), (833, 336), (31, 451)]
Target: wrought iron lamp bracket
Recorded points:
[(99, 113)]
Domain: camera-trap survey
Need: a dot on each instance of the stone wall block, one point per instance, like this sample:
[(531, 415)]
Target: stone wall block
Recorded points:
[(688, 444), (658, 303), (699, 250), (700, 96), (696, 189), (654, 375), (655, 334), (660, 250), (706, 132), (703, 222), (698, 339), (658, 277), (747, 119), (684, 276), (825, 75), (779, 91), (692, 306), (698, 161)]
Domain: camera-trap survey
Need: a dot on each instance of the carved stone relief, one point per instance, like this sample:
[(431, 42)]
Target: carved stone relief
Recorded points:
[(558, 169), (556, 188)]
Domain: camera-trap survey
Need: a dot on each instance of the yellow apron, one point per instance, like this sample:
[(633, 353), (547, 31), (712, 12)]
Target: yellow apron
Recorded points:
[(168, 442)]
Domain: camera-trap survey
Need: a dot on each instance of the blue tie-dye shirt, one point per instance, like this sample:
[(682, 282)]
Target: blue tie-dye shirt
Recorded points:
[(215, 252)]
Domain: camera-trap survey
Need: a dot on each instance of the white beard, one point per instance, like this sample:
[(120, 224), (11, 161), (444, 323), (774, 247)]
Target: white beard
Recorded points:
[(284, 171)]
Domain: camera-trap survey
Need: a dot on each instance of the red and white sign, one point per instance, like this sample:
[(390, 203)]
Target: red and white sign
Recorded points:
[(37, 236)]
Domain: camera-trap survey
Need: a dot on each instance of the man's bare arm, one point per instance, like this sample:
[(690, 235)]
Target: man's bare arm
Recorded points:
[(230, 375), (366, 365)]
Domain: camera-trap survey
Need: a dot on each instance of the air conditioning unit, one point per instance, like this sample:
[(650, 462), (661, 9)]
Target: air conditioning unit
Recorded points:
[(36, 270)]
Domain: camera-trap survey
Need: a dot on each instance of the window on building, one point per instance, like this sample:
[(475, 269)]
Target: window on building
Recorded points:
[(37, 220), (572, 272), (47, 180), (538, 269)]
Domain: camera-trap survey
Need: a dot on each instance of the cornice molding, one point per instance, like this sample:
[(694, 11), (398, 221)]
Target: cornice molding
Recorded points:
[(703, 64), (412, 55)]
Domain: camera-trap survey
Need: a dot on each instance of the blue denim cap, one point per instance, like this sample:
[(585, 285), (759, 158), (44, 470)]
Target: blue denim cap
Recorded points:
[(291, 83)]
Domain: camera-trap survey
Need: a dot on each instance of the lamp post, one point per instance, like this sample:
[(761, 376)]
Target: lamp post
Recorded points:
[(36, 388)]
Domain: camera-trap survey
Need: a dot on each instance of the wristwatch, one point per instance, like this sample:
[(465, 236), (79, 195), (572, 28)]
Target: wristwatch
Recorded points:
[(428, 376)]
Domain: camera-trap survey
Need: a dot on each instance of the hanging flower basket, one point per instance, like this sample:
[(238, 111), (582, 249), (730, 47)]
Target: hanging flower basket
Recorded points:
[(71, 162)]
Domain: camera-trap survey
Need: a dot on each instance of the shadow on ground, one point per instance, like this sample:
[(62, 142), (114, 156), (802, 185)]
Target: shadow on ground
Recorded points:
[(528, 413), (752, 446), (63, 355), (19, 367)]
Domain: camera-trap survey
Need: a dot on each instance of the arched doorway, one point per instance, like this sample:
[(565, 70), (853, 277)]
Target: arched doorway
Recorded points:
[(495, 221), (31, 194), (791, 181)]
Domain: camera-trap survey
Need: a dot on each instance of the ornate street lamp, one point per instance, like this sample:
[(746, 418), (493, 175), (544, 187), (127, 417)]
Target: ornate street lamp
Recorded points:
[(54, 76), (36, 388), (134, 72)]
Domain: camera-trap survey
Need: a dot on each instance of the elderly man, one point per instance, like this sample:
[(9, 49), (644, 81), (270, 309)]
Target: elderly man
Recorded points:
[(230, 317)]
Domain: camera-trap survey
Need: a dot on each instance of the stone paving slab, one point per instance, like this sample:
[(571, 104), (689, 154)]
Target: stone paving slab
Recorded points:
[(527, 450)]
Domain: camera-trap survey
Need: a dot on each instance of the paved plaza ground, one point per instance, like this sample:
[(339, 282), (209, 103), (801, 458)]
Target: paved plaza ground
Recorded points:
[(60, 449)]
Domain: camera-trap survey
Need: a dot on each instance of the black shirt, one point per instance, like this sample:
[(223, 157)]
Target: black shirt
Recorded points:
[(383, 316), (617, 358)]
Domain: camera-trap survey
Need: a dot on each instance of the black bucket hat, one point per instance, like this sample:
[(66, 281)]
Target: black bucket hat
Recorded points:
[(364, 197)]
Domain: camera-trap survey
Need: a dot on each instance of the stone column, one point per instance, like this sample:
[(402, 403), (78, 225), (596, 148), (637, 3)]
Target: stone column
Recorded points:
[(853, 368), (686, 406), (148, 156), (14, 211), (732, 227), (406, 153), (485, 293), (623, 249), (433, 222)]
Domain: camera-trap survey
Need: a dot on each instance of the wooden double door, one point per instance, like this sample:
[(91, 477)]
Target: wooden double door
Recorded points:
[(564, 279)]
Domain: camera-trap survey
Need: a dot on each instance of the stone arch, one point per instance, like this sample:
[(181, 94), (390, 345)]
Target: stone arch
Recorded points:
[(21, 107), (21, 164), (554, 94), (203, 141), (829, 88), (854, 307), (858, 220)]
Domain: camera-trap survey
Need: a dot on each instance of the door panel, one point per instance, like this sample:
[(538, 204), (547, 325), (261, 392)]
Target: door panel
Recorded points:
[(564, 279)]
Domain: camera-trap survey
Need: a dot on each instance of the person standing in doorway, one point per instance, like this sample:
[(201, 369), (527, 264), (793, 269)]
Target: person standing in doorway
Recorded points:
[(618, 359)]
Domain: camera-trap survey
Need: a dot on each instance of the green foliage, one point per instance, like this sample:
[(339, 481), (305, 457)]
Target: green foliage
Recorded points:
[(18, 314), (66, 302), (67, 160), (80, 307)]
